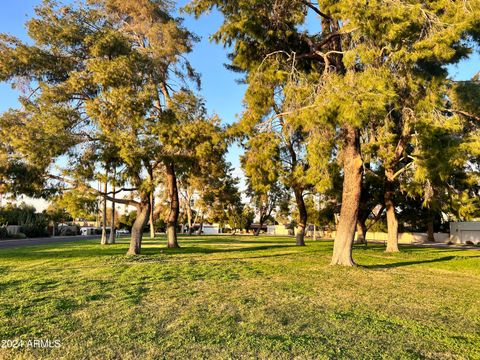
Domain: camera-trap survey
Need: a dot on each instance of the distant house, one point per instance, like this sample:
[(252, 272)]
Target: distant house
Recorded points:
[(463, 232)]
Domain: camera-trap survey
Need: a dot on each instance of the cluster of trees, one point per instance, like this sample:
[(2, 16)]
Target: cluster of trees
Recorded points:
[(365, 98), (107, 97), (358, 108)]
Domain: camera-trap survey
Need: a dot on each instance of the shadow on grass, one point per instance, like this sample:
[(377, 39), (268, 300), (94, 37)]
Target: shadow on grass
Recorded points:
[(40, 252), (409, 263)]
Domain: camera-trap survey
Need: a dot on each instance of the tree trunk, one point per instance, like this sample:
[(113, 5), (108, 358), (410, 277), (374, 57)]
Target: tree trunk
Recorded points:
[(430, 229), (143, 212), (363, 212), (352, 188), (361, 232), (172, 220), (152, 223), (302, 217), (200, 228), (261, 220), (392, 222), (104, 240), (111, 239), (189, 214), (260, 225)]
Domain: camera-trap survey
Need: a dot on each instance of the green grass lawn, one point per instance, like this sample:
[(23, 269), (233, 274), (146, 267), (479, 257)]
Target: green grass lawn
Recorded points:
[(239, 297)]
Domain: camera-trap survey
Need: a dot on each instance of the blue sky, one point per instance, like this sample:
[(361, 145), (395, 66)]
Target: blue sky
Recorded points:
[(222, 93)]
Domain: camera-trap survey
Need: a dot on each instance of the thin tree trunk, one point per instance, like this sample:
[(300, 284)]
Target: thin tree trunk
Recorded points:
[(363, 213), (302, 217), (352, 187), (260, 225), (143, 212), (261, 220), (189, 213), (392, 222), (361, 232), (104, 240), (172, 220), (430, 228), (200, 228), (152, 223), (111, 239)]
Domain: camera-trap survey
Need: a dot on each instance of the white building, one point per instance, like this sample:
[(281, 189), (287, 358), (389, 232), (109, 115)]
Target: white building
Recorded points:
[(281, 230), (461, 232), (212, 229)]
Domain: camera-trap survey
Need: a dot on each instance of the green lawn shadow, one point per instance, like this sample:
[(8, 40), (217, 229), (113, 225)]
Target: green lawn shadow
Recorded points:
[(413, 262)]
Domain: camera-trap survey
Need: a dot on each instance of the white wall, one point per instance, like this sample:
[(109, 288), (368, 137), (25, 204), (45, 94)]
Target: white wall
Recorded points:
[(461, 232)]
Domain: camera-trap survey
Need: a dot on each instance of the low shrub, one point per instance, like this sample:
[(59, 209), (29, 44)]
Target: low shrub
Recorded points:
[(34, 230), (468, 242), (18, 236), (69, 231), (3, 232)]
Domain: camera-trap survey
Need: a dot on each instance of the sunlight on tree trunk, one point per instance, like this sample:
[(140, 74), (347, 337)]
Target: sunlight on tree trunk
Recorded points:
[(104, 240), (172, 220), (152, 209), (143, 212), (111, 239), (352, 186), (392, 222)]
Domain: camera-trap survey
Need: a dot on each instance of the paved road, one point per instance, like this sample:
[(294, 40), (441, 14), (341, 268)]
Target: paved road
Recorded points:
[(42, 241)]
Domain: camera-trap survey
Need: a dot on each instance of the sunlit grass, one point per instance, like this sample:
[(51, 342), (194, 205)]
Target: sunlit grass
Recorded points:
[(242, 297)]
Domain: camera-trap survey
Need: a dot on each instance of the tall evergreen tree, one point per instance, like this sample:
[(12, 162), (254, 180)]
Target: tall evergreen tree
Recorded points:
[(350, 74)]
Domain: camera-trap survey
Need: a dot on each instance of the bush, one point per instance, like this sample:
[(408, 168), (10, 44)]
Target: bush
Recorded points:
[(450, 243), (69, 231), (34, 230), (18, 236), (468, 242), (3, 232)]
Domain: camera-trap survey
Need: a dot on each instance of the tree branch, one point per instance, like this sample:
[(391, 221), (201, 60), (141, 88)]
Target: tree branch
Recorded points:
[(464, 113), (316, 9)]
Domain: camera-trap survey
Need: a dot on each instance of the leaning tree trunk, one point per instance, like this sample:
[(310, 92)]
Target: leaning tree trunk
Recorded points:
[(172, 219), (302, 217), (352, 187), (143, 211), (152, 223), (104, 240), (111, 239), (392, 222)]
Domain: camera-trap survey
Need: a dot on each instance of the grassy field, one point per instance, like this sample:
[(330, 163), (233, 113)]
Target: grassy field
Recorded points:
[(241, 297)]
